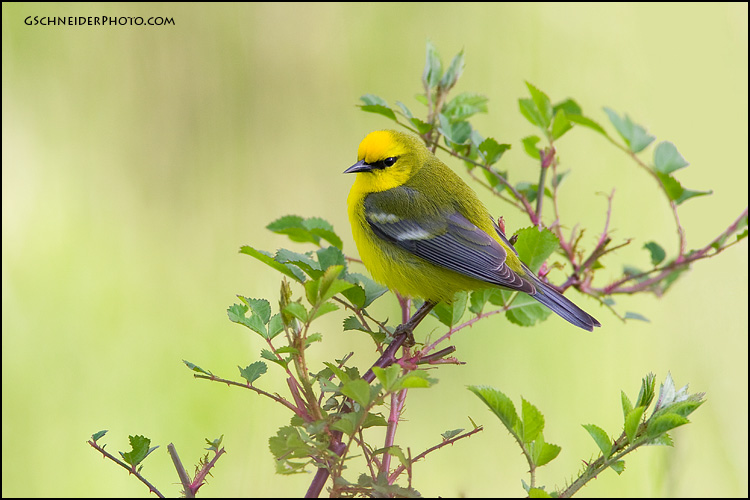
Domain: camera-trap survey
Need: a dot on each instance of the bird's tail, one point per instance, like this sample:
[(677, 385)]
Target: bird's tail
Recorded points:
[(563, 307)]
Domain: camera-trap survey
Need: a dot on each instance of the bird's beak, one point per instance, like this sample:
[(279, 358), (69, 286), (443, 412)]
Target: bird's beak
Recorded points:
[(360, 166)]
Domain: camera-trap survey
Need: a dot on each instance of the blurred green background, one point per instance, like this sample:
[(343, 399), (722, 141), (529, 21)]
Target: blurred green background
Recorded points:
[(137, 160)]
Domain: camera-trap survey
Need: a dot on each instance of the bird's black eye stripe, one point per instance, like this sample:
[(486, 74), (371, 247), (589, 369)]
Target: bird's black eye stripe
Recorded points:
[(387, 162)]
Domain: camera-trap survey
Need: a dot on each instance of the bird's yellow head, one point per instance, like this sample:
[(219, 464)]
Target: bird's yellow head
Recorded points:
[(387, 159)]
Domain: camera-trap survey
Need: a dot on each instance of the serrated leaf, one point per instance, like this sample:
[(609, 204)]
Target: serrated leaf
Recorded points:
[(646, 394), (380, 110), (341, 374), (478, 299), (253, 371), (372, 290), (657, 252), (302, 260), (293, 227), (453, 73), (450, 314), (140, 450), (374, 420), (358, 390), (388, 377), (531, 113), (464, 106), (535, 246), (265, 257), (664, 423), (526, 311), (632, 421), (259, 307), (627, 406), (547, 452), (455, 133), (635, 136), (529, 145), (601, 438), (569, 106), (500, 405), (533, 421), (560, 124), (492, 151), (667, 159), (275, 326), (373, 100), (324, 308), (297, 310), (433, 68), (675, 191), (542, 104), (415, 379), (587, 122)]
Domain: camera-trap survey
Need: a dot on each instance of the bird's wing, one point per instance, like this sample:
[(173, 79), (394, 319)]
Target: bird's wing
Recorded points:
[(445, 238)]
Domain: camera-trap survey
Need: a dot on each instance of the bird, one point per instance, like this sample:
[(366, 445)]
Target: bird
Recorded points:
[(422, 231)]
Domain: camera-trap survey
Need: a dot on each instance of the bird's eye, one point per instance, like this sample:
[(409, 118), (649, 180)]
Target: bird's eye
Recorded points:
[(390, 161)]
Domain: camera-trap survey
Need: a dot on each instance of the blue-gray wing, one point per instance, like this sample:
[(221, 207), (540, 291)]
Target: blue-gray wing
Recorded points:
[(446, 239)]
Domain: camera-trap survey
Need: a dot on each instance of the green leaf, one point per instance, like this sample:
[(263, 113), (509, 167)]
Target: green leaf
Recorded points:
[(98, 435), (416, 379), (478, 299), (560, 124), (455, 133), (676, 192), (407, 112), (529, 145), (646, 394), (358, 390), (373, 100), (266, 258), (433, 68), (374, 420), (380, 110), (542, 104), (492, 151), (297, 310), (340, 374), (289, 442), (450, 314), (253, 371), (371, 289), (587, 122), (454, 71), (569, 106), (324, 308), (139, 450), (664, 423), (634, 135), (627, 406), (451, 434), (196, 368), (236, 314), (601, 438), (635, 315), (302, 260), (667, 159), (538, 493), (388, 377), (529, 111), (259, 307), (535, 246), (275, 326), (632, 421), (526, 311), (657, 252), (544, 453), (500, 405), (533, 421), (464, 105), (618, 466)]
